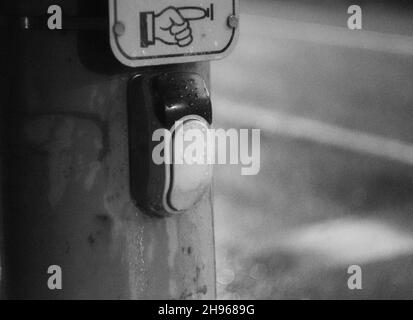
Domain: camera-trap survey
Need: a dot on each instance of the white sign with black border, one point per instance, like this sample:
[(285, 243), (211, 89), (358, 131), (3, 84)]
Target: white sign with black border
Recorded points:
[(155, 32)]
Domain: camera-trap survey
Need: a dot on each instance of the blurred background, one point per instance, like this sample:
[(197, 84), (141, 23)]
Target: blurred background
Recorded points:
[(336, 180)]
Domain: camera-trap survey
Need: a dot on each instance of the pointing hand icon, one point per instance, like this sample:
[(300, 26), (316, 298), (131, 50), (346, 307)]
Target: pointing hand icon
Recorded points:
[(171, 26)]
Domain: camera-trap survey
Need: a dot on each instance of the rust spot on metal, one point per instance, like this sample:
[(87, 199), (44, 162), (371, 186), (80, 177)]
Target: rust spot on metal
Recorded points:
[(203, 290), (185, 295), (91, 239), (104, 218), (67, 250)]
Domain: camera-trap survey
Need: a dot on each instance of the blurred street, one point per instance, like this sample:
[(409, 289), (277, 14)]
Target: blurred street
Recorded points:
[(336, 180)]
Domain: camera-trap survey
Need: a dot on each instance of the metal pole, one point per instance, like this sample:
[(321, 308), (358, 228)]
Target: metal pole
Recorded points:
[(66, 189)]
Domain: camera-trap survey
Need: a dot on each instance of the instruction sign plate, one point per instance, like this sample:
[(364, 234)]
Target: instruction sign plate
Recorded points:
[(148, 32)]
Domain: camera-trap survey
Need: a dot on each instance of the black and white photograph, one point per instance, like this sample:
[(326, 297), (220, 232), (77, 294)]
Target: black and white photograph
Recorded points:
[(225, 151)]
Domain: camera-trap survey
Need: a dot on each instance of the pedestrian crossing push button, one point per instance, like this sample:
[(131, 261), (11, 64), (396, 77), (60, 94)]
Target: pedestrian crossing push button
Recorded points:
[(169, 118), (190, 171)]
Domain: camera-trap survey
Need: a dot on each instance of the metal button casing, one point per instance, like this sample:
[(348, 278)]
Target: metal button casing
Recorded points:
[(178, 104)]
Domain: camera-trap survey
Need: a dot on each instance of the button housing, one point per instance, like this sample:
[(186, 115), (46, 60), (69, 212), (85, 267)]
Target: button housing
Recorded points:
[(159, 102)]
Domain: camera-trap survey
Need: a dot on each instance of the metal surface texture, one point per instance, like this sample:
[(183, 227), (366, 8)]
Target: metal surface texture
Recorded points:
[(65, 189)]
